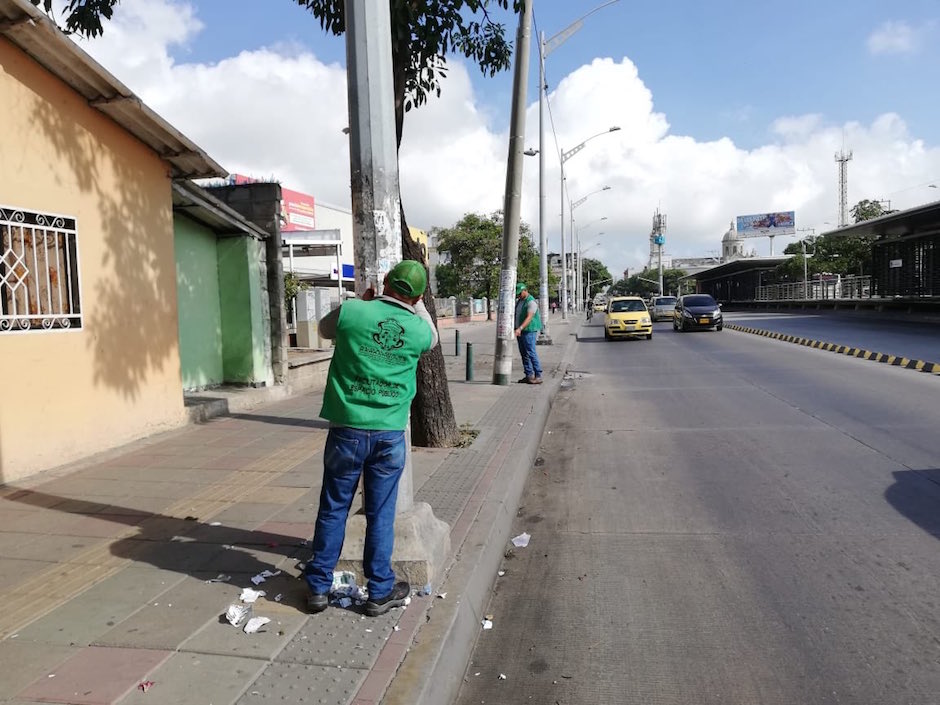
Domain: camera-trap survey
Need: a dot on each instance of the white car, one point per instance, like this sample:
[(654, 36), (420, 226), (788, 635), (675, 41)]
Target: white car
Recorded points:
[(662, 307)]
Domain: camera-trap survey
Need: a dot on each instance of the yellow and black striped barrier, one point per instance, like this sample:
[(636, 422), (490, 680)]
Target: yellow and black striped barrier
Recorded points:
[(894, 360)]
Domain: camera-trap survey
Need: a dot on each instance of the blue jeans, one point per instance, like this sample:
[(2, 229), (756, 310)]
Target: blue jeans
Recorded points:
[(530, 359), (379, 457)]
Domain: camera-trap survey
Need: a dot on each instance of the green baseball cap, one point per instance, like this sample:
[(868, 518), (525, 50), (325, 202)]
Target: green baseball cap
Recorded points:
[(408, 278), (520, 287)]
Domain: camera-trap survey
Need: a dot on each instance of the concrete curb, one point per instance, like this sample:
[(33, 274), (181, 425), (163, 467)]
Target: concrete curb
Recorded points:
[(434, 667), (893, 360)]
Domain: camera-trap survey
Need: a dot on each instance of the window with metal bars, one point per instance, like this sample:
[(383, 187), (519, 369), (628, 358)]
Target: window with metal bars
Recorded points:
[(39, 274)]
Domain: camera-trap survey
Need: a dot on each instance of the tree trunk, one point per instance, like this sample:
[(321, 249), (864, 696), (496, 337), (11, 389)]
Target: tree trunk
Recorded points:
[(432, 414)]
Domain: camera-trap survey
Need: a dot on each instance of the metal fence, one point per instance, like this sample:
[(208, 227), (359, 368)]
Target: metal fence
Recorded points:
[(820, 287)]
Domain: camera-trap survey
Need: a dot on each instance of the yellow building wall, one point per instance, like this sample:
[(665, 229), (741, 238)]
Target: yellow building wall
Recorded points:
[(421, 237), (67, 394)]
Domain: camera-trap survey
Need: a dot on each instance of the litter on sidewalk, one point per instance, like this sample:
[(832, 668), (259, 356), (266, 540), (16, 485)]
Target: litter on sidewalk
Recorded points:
[(236, 614), (522, 540), (254, 624), (249, 595)]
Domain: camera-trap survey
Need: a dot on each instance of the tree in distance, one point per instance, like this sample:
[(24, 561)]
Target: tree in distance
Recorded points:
[(636, 285), (473, 249), (598, 274), (833, 253), (424, 33)]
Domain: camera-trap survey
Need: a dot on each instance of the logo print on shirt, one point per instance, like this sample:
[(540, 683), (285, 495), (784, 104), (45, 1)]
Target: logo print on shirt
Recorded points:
[(389, 336)]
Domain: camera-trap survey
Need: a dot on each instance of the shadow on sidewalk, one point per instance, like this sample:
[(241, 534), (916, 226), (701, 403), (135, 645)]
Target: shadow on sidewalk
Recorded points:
[(190, 546), (283, 420)]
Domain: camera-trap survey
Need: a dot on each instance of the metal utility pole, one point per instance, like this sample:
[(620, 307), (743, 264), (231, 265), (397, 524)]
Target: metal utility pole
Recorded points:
[(544, 337), (546, 48), (506, 309), (843, 160)]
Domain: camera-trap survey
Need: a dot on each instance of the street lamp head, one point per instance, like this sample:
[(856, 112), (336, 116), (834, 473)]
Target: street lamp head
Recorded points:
[(603, 217), (614, 128), (531, 152), (606, 188)]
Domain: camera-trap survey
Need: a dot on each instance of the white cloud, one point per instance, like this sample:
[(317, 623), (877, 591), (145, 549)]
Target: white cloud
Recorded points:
[(894, 38), (280, 111)]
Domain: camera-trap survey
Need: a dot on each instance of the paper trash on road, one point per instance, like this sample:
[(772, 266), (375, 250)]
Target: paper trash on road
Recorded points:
[(487, 623), (220, 578), (236, 614), (522, 540), (502, 676), (249, 595), (255, 623), (264, 575)]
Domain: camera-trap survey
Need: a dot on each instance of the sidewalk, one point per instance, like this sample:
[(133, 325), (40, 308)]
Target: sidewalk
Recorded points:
[(116, 574)]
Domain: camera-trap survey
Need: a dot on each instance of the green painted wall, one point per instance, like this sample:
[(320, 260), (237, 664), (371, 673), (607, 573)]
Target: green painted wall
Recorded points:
[(243, 339), (200, 318)]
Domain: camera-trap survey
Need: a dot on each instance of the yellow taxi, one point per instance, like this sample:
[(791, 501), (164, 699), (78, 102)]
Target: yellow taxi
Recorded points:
[(627, 317)]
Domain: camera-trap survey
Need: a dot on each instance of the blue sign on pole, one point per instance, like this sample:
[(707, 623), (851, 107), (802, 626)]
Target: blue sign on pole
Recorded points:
[(660, 240)]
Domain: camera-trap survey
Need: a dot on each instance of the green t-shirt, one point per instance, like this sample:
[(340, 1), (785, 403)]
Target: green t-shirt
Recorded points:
[(372, 377), (522, 310)]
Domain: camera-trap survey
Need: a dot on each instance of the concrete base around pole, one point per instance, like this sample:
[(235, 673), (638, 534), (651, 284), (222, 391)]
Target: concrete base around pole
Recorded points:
[(422, 546)]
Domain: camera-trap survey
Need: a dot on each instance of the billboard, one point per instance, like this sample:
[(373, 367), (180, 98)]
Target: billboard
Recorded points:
[(782, 223), (297, 211)]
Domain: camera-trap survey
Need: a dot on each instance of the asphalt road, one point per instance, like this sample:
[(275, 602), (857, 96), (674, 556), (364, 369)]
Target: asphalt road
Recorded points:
[(724, 518)]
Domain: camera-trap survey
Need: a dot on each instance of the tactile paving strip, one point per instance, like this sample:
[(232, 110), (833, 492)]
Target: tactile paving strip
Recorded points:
[(338, 637), (299, 683)]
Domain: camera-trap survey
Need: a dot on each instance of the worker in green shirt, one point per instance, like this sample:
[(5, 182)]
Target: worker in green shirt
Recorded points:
[(528, 323), (367, 400)]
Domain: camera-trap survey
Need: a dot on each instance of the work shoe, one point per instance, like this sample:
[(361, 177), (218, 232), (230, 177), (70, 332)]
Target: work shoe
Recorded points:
[(317, 602), (524, 380), (536, 380), (396, 598)]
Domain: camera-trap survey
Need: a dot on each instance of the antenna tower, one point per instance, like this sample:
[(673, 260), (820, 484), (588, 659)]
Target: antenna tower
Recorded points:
[(658, 229), (843, 159)]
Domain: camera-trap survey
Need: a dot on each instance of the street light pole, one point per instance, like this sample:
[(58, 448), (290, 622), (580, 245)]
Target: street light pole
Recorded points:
[(580, 266), (576, 274), (546, 48), (544, 336)]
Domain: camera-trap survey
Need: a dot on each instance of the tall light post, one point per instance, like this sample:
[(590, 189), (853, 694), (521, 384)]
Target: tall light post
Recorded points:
[(584, 291), (576, 273), (812, 232), (546, 48), (580, 255), (565, 156)]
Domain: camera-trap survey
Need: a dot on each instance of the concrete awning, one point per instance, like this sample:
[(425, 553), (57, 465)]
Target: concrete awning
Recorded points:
[(919, 220), (201, 206)]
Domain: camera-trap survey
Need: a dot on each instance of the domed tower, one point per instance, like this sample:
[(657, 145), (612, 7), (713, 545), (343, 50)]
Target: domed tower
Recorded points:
[(732, 247)]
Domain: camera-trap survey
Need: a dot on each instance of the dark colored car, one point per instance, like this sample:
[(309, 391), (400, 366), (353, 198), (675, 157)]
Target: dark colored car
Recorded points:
[(696, 311)]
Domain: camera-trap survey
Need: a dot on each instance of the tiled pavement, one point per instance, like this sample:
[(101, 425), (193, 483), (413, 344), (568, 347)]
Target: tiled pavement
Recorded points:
[(107, 569)]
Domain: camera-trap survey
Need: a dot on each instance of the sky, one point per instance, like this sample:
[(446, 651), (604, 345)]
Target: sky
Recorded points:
[(725, 108)]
